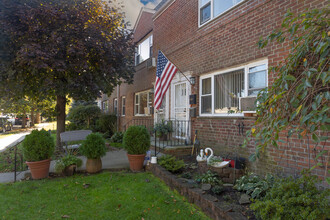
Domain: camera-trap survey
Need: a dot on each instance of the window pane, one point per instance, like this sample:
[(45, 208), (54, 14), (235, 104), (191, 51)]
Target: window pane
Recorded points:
[(257, 68), (254, 92), (219, 6), (136, 99), (205, 13), (206, 86), (143, 103), (206, 104), (203, 2), (228, 88), (257, 79)]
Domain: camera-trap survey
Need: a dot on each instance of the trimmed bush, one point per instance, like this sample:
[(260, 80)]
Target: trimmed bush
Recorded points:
[(37, 146), (84, 116), (136, 140), (93, 147)]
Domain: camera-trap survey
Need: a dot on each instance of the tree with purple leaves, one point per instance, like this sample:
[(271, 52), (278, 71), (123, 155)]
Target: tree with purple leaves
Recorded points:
[(62, 49)]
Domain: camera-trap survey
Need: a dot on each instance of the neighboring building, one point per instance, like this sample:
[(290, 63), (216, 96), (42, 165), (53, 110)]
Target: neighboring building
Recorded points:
[(133, 104)]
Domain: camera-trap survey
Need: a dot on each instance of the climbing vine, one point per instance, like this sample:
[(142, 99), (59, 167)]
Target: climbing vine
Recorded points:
[(297, 102)]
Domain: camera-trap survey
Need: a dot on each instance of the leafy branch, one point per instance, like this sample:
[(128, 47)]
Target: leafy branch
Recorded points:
[(298, 100)]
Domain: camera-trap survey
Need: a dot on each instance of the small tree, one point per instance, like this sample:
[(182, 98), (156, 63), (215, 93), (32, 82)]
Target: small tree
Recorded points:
[(298, 100)]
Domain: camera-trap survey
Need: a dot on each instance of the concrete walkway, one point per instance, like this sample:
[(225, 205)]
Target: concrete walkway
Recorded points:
[(11, 140), (116, 159)]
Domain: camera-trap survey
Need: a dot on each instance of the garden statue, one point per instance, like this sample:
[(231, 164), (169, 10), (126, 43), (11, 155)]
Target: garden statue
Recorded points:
[(201, 157), (210, 156)]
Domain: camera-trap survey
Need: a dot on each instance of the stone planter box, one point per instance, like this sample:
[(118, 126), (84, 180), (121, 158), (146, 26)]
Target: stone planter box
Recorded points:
[(208, 203)]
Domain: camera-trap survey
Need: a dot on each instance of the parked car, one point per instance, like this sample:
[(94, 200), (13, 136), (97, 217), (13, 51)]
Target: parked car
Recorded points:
[(5, 125), (19, 120)]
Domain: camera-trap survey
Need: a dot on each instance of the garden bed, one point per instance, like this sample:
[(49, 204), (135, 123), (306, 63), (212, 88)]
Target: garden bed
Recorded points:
[(223, 206)]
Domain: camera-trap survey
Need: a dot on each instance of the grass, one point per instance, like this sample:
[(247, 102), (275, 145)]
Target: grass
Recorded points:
[(109, 195), (7, 160)]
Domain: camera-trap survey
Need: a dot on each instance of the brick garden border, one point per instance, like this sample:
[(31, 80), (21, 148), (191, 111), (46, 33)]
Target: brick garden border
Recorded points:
[(208, 203)]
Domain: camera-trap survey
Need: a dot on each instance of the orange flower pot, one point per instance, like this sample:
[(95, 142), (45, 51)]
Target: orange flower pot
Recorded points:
[(136, 162), (39, 169)]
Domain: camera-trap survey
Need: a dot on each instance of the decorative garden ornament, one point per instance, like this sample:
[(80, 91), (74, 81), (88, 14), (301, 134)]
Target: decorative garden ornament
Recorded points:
[(211, 155), (201, 157)]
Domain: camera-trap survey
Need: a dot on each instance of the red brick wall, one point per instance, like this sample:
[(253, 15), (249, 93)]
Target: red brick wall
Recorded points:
[(227, 41), (144, 26)]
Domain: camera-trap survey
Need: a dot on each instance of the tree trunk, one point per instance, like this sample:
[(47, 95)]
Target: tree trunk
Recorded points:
[(60, 119), (32, 117), (24, 119), (38, 121)]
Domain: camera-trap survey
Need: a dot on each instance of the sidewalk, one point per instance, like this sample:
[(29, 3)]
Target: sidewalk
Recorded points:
[(116, 159)]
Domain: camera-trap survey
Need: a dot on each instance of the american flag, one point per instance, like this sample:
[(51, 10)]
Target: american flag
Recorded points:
[(164, 75)]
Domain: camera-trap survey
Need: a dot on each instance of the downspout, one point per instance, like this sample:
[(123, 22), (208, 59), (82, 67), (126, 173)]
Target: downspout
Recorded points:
[(118, 111)]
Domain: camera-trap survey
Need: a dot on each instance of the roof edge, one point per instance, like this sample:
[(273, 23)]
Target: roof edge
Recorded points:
[(162, 9), (143, 9)]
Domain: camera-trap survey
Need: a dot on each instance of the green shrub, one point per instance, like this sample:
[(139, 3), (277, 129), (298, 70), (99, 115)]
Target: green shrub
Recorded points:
[(93, 147), (37, 146), (106, 124), (117, 145), (73, 127), (210, 178), (136, 140), (294, 199), (84, 115), (218, 189), (254, 185), (66, 161), (170, 163), (163, 128), (117, 137)]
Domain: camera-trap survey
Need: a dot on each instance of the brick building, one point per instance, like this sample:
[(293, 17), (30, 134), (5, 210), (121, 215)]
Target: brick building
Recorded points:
[(214, 43)]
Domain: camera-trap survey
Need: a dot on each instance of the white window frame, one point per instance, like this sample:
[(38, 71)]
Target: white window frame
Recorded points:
[(246, 86), (115, 106), (212, 14), (149, 102), (138, 49), (123, 106)]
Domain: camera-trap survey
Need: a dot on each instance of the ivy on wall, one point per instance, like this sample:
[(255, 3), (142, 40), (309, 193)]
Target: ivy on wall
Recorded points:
[(298, 100)]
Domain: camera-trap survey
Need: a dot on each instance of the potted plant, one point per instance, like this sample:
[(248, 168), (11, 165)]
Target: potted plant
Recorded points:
[(136, 141), (38, 147), (162, 129), (93, 148), (68, 164)]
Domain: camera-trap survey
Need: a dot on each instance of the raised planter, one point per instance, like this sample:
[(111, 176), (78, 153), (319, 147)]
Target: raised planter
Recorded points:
[(208, 203)]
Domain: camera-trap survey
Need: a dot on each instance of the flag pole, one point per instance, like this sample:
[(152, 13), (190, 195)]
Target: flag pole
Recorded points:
[(177, 68)]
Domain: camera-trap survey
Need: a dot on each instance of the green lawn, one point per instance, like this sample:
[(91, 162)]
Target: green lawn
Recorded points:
[(108, 196)]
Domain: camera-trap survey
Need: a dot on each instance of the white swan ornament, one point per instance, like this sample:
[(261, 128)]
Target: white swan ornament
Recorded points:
[(201, 157), (211, 155)]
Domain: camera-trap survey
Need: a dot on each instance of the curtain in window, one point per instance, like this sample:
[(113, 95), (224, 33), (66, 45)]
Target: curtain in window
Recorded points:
[(228, 88)]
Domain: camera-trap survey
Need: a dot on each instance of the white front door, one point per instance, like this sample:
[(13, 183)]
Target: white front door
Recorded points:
[(180, 111), (180, 106)]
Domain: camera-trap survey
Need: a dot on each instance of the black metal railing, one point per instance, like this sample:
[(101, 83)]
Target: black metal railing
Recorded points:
[(146, 122), (11, 159), (178, 132)]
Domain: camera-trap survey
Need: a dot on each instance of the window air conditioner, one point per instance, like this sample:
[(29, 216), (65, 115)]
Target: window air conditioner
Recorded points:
[(248, 103), (151, 63)]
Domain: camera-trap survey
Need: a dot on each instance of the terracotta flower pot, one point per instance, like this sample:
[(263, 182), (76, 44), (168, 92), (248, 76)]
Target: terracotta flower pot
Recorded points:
[(94, 165), (39, 169), (136, 161)]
